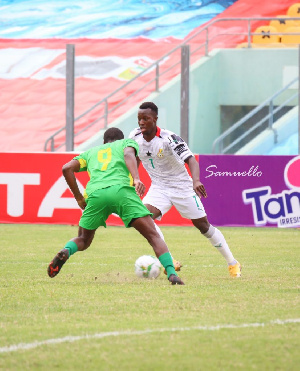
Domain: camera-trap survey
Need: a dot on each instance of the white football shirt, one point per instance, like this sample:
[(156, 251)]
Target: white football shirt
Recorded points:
[(163, 158)]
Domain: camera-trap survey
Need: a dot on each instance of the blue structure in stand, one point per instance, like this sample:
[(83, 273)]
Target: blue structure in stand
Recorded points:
[(117, 19)]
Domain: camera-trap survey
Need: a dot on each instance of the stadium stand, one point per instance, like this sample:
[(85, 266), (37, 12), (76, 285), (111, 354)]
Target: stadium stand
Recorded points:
[(286, 141), (33, 93), (294, 10), (282, 23), (265, 35), (294, 39), (284, 31)]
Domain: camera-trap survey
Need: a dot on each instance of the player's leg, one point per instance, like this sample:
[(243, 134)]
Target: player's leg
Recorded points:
[(135, 214), (158, 203), (192, 208), (156, 214), (80, 243), (93, 216), (146, 227), (217, 239)]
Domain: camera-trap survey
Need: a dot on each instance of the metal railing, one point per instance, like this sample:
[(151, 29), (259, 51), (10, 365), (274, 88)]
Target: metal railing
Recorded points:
[(218, 144), (198, 44)]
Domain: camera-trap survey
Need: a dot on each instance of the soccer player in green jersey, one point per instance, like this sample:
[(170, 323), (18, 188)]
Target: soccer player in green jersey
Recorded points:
[(109, 191)]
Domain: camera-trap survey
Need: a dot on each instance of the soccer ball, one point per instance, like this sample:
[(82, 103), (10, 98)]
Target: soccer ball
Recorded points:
[(147, 266)]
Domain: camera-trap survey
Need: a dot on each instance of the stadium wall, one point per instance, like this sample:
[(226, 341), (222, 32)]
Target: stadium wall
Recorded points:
[(262, 191), (284, 127), (228, 77)]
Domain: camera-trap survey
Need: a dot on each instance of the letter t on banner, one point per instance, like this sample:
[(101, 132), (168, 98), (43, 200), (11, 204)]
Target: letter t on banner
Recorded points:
[(15, 190)]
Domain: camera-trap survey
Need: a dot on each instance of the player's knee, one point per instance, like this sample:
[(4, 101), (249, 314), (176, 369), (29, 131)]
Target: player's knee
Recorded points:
[(204, 228), (201, 224)]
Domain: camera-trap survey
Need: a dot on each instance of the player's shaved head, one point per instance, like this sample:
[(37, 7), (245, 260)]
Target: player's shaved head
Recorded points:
[(112, 134)]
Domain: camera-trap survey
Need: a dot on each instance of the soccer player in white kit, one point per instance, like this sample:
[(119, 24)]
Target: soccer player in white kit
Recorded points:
[(164, 155)]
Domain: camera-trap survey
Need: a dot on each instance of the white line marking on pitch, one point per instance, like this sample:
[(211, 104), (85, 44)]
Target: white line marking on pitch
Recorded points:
[(71, 339)]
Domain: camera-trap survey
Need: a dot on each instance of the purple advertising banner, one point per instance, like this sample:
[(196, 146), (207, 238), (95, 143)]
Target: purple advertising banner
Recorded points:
[(251, 190)]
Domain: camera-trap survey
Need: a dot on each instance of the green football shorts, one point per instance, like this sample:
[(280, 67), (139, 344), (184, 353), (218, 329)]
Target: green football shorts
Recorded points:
[(117, 199)]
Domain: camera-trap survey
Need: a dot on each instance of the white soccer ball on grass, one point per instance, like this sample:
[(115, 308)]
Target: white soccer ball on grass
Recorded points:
[(147, 266)]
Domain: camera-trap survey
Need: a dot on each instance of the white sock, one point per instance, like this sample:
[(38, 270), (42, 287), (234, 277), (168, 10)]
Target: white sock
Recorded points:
[(217, 239), (161, 235), (159, 231)]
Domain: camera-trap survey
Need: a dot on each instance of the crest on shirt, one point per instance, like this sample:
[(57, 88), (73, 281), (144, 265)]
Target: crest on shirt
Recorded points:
[(160, 153)]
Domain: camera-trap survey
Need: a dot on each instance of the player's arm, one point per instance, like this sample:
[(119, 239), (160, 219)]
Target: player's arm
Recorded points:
[(138, 161), (195, 172), (68, 170), (132, 136), (181, 149), (132, 165)]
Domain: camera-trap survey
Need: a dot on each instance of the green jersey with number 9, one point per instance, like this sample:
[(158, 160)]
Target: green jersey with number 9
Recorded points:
[(105, 165)]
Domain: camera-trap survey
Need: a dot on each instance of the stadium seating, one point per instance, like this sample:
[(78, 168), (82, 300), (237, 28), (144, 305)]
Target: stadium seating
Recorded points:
[(265, 35), (33, 62), (294, 10), (275, 34), (291, 39), (282, 23)]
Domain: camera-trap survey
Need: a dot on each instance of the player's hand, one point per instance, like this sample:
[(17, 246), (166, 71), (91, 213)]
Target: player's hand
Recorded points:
[(139, 187), (199, 189), (81, 202)]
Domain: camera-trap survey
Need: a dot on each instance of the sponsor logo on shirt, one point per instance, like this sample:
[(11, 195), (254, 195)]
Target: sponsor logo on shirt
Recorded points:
[(180, 149)]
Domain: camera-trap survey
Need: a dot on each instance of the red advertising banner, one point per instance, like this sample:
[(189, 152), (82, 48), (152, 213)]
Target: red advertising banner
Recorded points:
[(242, 190), (33, 190)]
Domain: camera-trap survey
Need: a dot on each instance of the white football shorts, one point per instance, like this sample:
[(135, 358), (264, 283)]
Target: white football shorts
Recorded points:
[(189, 207)]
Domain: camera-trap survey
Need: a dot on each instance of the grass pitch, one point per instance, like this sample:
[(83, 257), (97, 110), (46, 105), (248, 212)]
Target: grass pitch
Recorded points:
[(97, 315)]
